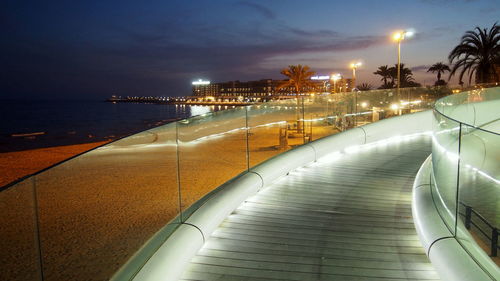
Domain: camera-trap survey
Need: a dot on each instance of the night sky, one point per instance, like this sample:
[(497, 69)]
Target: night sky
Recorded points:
[(93, 49)]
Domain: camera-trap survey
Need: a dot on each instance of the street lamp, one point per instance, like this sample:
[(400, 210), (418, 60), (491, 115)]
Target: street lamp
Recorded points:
[(335, 78), (398, 37), (354, 65)]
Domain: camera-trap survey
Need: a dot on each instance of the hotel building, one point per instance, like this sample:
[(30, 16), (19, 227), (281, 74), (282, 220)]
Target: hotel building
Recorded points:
[(266, 88)]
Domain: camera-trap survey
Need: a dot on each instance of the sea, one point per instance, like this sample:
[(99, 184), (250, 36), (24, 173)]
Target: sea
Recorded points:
[(37, 124)]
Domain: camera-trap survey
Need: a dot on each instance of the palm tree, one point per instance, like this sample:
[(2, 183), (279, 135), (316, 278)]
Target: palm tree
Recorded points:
[(299, 77), (477, 53), (407, 79), (439, 68), (386, 74), (365, 87)]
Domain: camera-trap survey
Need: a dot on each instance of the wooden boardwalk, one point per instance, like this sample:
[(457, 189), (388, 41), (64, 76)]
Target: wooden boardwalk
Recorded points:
[(348, 219)]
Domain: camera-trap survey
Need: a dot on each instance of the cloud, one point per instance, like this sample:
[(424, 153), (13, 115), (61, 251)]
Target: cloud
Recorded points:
[(420, 68), (447, 1), (490, 10), (262, 10), (310, 33), (236, 47), (162, 58)]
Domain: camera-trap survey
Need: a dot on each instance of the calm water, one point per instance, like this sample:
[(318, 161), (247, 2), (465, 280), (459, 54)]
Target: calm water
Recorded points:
[(72, 122)]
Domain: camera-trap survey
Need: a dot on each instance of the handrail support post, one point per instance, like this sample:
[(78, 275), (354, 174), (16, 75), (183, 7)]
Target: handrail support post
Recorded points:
[(468, 216), (494, 242)]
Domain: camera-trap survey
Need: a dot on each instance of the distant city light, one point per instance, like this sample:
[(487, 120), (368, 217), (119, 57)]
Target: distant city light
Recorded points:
[(201, 82), (322, 77), (335, 77)]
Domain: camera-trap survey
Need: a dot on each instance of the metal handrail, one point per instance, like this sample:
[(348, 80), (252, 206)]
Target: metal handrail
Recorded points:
[(494, 231)]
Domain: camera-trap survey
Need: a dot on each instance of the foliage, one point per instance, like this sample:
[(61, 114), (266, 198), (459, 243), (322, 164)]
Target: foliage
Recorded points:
[(407, 79), (477, 53), (439, 68), (365, 87), (440, 82), (299, 77), (386, 74), (438, 92), (389, 85)]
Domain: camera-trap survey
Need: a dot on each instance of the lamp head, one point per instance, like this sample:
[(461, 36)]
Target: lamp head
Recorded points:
[(398, 36), (401, 35), (356, 64)]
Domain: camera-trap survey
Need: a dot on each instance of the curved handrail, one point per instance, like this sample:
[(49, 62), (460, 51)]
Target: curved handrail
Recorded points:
[(170, 260), (95, 210), (466, 142)]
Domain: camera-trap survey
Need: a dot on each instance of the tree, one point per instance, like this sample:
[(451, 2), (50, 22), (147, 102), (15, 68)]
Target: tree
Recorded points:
[(365, 87), (407, 79), (439, 68), (477, 53), (386, 74), (299, 77)]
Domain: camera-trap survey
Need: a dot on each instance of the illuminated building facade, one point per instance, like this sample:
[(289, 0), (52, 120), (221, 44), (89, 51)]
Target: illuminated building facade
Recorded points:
[(203, 88), (266, 88)]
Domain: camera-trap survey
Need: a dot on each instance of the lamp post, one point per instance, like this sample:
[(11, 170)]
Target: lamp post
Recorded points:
[(398, 37), (325, 90), (354, 65), (335, 78)]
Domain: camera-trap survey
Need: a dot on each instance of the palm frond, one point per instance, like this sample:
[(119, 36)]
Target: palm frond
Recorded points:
[(477, 53)]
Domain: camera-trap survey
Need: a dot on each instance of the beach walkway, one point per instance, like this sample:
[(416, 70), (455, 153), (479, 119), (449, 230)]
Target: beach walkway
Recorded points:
[(343, 219)]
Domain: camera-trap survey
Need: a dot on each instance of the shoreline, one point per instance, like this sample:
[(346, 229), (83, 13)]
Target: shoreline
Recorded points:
[(18, 164), (158, 101)]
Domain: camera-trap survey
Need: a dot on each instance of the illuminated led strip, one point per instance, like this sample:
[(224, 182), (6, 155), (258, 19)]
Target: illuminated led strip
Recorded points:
[(454, 157), (234, 130), (476, 170)]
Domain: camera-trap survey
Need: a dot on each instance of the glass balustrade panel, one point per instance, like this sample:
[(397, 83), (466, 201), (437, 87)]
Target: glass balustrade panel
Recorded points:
[(19, 255), (479, 191), (274, 127), (445, 159), (372, 106), (321, 119), (212, 150), (98, 209)]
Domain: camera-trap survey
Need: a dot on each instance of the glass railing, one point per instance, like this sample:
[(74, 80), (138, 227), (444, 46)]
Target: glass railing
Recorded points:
[(83, 219), (466, 171)]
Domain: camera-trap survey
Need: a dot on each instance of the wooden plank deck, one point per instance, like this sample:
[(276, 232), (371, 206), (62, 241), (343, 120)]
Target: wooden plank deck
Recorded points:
[(348, 219)]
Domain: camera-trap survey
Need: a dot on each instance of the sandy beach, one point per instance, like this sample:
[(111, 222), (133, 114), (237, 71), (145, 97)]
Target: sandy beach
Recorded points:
[(96, 210), (15, 165)]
